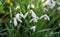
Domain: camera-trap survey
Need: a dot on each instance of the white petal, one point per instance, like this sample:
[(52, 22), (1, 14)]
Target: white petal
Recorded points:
[(21, 14), (15, 22), (35, 20), (28, 6), (17, 7), (17, 15), (42, 17), (45, 16), (31, 20), (48, 3), (32, 5), (25, 15), (19, 20), (33, 14), (33, 28)]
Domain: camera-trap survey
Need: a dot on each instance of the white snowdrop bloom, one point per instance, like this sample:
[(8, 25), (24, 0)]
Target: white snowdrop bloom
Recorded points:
[(35, 17), (46, 17), (50, 3), (17, 17), (33, 14), (24, 16), (33, 28), (30, 5), (17, 7), (58, 8), (15, 21)]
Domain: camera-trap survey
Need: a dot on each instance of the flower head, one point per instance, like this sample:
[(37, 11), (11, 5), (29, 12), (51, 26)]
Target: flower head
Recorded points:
[(17, 7), (49, 3), (34, 16), (17, 15), (30, 5), (33, 28), (17, 18), (45, 16), (24, 16)]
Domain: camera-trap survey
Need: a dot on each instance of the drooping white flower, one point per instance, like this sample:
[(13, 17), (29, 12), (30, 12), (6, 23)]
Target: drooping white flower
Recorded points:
[(30, 5), (33, 28), (45, 16), (50, 3), (16, 18), (24, 16), (15, 21), (34, 16), (17, 7)]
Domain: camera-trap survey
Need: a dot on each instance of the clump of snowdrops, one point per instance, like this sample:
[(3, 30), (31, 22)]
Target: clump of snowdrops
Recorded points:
[(29, 18)]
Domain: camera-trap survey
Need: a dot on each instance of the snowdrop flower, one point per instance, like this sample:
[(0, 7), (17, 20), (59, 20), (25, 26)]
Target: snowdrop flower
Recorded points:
[(24, 16), (35, 17), (33, 14), (16, 18), (46, 17), (18, 7), (15, 21), (50, 3), (33, 28), (30, 5)]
